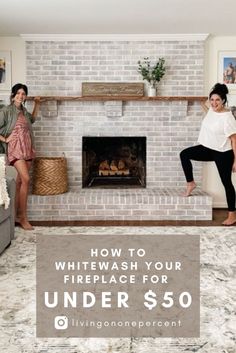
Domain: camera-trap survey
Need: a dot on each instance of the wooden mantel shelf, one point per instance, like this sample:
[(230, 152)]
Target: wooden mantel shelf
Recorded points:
[(112, 109), (121, 98)]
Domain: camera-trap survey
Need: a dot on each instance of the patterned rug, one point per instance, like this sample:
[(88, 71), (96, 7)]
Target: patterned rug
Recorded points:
[(218, 290)]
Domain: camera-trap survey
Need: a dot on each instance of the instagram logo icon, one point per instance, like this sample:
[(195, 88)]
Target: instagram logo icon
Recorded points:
[(61, 322)]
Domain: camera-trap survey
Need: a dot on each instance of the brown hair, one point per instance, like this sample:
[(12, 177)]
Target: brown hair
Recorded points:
[(16, 88), (221, 90)]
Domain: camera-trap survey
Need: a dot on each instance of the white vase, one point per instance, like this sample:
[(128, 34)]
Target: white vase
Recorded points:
[(152, 91)]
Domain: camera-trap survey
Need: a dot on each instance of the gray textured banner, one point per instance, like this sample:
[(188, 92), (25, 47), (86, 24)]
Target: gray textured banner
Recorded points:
[(118, 286)]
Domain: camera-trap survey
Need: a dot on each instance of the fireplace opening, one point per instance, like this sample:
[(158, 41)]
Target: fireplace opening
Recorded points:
[(114, 161)]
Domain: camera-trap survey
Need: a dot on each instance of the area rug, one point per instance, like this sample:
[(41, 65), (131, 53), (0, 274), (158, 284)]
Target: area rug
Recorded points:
[(218, 290)]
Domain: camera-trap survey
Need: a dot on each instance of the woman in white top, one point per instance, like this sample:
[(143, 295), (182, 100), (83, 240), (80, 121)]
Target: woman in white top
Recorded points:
[(217, 142)]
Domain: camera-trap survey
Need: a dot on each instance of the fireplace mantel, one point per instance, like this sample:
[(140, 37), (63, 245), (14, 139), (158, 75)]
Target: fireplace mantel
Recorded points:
[(121, 98), (113, 104)]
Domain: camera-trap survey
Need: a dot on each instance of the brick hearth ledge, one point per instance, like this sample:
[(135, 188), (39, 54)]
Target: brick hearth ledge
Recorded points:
[(121, 204)]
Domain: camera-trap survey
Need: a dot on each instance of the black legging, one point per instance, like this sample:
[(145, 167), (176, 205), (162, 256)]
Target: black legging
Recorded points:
[(224, 163)]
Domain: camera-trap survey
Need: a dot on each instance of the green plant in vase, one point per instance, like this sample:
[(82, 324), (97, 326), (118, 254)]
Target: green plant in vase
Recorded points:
[(152, 73)]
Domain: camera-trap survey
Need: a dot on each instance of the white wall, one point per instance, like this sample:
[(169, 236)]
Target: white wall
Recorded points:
[(211, 179)]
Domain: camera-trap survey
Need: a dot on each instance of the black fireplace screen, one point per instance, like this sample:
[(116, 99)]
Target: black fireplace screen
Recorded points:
[(114, 161)]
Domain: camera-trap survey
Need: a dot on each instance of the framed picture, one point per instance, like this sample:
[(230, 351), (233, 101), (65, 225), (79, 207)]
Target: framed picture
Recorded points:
[(5, 70), (227, 68), (4, 99)]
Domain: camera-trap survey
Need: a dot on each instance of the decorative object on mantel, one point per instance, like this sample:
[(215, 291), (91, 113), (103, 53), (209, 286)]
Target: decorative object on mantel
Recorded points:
[(107, 89), (50, 176), (152, 74), (4, 197)]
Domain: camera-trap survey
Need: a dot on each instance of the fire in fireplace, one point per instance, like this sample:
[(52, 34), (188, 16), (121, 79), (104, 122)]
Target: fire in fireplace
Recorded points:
[(114, 161)]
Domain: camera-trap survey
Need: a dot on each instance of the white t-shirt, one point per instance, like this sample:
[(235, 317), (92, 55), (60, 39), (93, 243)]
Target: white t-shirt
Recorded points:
[(216, 129)]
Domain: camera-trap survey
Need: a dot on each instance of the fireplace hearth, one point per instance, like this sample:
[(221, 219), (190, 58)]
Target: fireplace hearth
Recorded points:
[(110, 162)]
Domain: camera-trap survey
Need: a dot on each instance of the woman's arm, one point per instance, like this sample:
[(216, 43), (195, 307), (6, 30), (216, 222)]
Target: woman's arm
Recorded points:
[(36, 107), (2, 138), (233, 142)]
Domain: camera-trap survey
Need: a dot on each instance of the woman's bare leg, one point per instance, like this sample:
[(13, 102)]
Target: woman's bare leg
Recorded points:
[(23, 168), (18, 185)]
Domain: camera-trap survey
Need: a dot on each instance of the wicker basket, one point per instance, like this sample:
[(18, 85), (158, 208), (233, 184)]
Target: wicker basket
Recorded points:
[(50, 176)]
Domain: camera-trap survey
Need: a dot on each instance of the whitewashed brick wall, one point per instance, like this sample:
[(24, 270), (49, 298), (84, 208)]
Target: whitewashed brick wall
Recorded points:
[(59, 68)]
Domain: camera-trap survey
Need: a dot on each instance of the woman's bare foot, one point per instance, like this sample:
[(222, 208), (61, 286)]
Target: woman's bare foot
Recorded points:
[(24, 223), (17, 220), (230, 220), (190, 187)]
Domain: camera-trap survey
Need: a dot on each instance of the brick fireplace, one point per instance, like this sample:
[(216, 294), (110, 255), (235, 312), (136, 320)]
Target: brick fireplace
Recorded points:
[(59, 68)]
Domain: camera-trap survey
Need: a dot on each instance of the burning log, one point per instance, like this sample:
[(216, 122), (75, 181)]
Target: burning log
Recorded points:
[(104, 165), (113, 165), (113, 168), (121, 164)]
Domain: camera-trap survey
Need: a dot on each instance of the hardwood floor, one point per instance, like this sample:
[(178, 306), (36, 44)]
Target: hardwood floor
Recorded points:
[(218, 217)]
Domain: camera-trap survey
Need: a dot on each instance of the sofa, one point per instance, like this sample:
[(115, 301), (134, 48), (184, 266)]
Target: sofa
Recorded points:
[(7, 215)]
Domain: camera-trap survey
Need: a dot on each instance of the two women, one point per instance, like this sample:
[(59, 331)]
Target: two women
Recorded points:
[(217, 142), (16, 140)]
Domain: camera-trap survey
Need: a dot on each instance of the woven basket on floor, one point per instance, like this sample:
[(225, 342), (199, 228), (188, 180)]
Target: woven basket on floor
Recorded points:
[(50, 176)]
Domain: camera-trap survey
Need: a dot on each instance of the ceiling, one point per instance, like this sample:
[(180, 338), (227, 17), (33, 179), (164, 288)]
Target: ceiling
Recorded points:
[(215, 17)]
